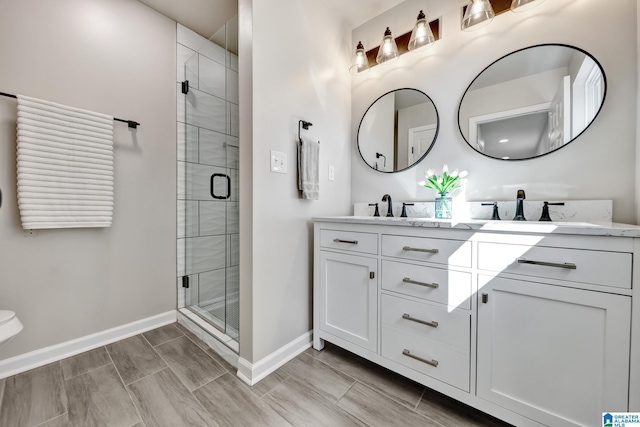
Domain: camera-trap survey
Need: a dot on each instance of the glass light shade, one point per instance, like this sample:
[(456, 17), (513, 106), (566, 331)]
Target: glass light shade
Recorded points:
[(388, 48), (479, 13), (421, 36), (524, 5), (360, 62)]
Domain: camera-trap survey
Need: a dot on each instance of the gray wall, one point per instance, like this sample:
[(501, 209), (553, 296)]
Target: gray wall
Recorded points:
[(608, 145), (115, 57), (297, 69)]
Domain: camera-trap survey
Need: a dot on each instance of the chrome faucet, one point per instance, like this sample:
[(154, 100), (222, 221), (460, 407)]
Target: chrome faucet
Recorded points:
[(520, 206), (387, 198)]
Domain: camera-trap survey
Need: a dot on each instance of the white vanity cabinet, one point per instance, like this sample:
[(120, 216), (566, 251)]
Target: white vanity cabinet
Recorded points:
[(532, 327), (348, 305), (554, 354)]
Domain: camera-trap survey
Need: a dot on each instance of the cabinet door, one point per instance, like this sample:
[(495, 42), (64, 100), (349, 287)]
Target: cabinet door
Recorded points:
[(349, 298), (557, 355)]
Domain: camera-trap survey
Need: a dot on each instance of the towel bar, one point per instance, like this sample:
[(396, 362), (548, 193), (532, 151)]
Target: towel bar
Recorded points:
[(132, 124)]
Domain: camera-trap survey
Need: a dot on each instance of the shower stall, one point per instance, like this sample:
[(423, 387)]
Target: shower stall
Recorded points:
[(208, 195)]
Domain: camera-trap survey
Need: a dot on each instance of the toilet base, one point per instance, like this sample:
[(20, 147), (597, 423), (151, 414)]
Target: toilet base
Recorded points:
[(9, 330)]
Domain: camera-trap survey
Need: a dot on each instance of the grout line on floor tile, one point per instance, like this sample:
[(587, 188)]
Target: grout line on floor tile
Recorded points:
[(172, 339), (125, 386), (141, 378), (145, 338), (90, 370), (115, 367), (272, 388), (424, 390), (347, 391), (212, 380), (51, 419), (390, 396)]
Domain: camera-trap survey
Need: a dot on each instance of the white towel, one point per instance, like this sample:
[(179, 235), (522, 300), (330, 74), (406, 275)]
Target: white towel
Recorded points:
[(65, 166), (309, 169)]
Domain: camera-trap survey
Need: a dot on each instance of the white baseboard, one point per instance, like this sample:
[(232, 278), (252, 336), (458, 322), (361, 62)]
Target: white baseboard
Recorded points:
[(251, 373), (43, 356)]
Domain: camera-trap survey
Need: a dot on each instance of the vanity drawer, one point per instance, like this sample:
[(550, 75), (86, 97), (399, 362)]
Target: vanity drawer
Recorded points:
[(441, 251), (430, 321), (575, 265), (349, 241), (434, 284), (452, 364)]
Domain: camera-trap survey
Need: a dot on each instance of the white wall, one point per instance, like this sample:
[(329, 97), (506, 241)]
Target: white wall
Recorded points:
[(445, 71), (299, 70), (116, 57)]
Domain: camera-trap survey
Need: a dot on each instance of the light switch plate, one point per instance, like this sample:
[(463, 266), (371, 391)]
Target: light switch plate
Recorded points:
[(278, 162), (332, 173)]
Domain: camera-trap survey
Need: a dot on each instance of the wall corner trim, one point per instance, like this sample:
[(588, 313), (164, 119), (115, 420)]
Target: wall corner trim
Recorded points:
[(54, 353), (252, 373)]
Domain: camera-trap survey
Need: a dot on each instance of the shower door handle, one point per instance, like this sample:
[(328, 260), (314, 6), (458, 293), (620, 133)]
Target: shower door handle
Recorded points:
[(212, 187)]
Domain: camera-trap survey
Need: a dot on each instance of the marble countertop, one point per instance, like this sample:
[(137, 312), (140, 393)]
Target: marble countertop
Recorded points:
[(580, 228)]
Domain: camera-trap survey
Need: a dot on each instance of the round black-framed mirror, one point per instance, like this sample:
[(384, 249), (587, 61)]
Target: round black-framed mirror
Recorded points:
[(532, 102), (398, 130)]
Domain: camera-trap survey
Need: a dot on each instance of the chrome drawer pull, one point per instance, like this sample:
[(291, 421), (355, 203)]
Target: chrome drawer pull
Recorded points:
[(410, 249), (433, 324), (351, 242), (413, 282), (567, 265), (431, 362)]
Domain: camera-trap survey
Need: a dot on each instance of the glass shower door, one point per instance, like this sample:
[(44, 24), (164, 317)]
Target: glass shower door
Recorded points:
[(208, 234)]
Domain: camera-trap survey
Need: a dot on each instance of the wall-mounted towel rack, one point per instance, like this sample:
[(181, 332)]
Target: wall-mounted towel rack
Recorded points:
[(132, 124), (305, 125)]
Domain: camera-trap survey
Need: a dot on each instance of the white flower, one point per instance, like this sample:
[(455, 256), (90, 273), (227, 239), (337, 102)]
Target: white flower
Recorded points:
[(429, 173), (463, 174), (422, 183), (454, 173), (445, 168)]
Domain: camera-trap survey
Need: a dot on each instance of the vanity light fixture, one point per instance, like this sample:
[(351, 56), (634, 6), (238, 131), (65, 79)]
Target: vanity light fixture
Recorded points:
[(478, 14), (360, 62), (421, 36), (524, 5), (502, 141), (388, 48)]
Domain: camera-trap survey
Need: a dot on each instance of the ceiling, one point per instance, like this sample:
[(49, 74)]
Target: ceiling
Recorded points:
[(205, 17), (357, 12)]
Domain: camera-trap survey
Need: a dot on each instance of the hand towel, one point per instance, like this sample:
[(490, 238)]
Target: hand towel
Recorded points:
[(309, 169), (65, 166)]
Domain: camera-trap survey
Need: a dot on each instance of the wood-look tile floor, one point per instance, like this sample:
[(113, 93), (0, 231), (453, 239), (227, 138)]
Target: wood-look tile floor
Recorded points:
[(168, 377)]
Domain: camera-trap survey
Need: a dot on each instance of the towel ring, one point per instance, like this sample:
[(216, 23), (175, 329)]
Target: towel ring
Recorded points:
[(305, 125)]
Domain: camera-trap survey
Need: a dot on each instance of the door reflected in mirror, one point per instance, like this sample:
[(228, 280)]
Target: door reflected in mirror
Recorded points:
[(398, 130), (532, 102)]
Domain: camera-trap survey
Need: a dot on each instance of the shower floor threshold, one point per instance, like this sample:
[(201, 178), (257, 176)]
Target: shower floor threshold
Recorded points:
[(214, 313), (211, 330)]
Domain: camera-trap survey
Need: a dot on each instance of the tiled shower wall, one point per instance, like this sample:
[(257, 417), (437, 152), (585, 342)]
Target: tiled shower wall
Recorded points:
[(207, 144)]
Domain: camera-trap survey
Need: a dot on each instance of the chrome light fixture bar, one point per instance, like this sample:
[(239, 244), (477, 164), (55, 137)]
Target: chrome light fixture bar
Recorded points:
[(421, 36)]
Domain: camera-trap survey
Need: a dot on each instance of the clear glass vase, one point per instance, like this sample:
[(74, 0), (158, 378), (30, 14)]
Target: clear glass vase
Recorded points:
[(444, 207)]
